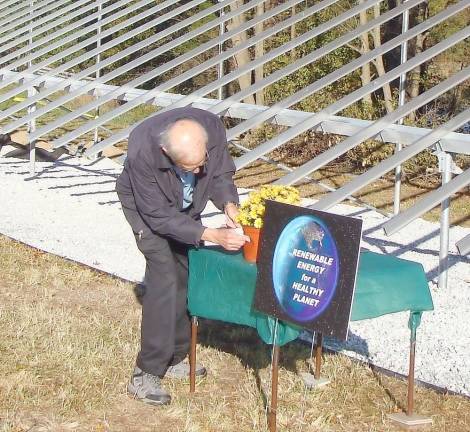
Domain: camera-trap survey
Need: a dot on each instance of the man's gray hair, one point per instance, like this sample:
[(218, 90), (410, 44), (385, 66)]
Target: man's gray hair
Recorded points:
[(165, 142)]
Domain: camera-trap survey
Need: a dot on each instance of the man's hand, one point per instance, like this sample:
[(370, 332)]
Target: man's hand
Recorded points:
[(231, 212), (226, 237)]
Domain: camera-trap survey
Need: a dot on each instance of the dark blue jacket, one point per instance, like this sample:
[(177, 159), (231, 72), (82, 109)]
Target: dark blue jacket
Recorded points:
[(149, 184)]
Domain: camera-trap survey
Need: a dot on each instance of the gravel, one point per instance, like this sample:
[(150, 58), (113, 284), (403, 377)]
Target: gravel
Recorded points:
[(70, 209)]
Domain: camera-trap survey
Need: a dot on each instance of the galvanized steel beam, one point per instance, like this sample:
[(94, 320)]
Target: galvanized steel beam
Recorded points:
[(463, 245), (271, 112), (316, 119), (240, 71), (9, 8), (161, 69), (24, 17), (41, 28), (275, 76), (113, 42), (21, 10), (128, 66), (375, 128), (431, 200), (452, 142), (13, 4), (387, 165), (38, 24)]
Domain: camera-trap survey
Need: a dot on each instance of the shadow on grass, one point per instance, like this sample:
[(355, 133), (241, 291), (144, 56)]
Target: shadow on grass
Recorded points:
[(380, 378), (245, 344)]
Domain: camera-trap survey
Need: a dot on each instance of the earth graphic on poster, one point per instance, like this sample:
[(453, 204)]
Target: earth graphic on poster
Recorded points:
[(305, 268)]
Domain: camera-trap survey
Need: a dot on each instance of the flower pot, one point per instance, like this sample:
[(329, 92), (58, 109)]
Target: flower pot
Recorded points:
[(250, 249)]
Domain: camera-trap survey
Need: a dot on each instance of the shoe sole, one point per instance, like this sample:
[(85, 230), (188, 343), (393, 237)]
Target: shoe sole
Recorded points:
[(149, 401), (155, 403)]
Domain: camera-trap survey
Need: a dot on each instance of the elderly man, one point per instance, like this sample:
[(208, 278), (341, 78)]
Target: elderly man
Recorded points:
[(176, 162)]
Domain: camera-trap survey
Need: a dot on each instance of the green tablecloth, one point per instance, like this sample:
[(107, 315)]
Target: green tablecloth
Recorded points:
[(222, 284)]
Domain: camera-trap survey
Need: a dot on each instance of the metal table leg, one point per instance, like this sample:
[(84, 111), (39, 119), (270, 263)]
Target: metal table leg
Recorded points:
[(410, 420), (316, 381), (273, 408), (192, 356)]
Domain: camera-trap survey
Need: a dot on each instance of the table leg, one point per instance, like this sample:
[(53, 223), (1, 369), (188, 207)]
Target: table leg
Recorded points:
[(192, 355), (409, 420), (275, 373), (315, 380), (318, 354), (411, 379)]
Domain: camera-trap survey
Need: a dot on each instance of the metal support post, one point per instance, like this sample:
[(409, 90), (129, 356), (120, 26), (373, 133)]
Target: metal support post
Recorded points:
[(31, 92), (318, 354), (192, 356), (401, 102), (98, 60), (411, 379), (220, 66), (410, 420), (274, 382), (315, 381), (445, 167)]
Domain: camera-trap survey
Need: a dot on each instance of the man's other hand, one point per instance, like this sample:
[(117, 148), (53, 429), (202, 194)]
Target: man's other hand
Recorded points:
[(228, 238), (231, 212)]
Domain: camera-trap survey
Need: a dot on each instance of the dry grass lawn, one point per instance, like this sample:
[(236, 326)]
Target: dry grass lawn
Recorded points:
[(69, 336)]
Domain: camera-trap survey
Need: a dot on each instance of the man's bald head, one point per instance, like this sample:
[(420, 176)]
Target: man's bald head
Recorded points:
[(185, 142)]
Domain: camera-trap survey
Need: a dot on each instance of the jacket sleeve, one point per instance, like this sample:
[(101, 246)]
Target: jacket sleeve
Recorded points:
[(222, 189), (157, 212)]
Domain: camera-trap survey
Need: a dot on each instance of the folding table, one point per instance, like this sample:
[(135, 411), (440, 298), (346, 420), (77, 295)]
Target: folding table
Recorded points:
[(222, 284)]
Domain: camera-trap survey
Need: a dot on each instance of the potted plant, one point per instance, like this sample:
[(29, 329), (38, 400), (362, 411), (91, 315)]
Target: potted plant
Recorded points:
[(252, 211)]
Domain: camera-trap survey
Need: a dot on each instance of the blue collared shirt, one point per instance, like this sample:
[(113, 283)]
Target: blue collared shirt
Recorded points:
[(188, 179)]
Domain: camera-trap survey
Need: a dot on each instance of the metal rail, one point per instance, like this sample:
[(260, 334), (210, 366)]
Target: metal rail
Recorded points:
[(40, 28), (463, 245), (11, 4), (240, 71), (128, 51), (393, 161), (18, 4), (23, 17), (272, 111), (316, 119), (275, 76), (431, 200), (453, 142), (90, 40), (156, 72), (67, 13), (375, 129)]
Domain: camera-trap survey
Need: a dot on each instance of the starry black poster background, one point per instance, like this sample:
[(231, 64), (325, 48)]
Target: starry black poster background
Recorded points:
[(346, 233)]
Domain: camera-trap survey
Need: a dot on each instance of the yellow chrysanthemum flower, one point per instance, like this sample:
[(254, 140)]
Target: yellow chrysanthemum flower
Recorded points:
[(258, 223), (253, 209)]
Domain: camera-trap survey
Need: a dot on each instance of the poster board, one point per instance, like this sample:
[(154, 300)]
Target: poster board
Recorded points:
[(307, 267)]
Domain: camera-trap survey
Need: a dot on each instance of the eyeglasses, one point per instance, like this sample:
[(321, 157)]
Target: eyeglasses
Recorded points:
[(193, 168)]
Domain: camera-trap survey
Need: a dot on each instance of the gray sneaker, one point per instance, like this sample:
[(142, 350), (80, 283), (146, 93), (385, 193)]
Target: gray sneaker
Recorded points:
[(181, 371), (147, 388)]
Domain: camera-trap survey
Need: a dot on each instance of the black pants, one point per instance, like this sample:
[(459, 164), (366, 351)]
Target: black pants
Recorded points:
[(165, 328)]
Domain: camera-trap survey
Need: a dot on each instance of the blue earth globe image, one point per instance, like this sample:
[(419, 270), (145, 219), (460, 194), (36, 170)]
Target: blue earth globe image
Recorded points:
[(305, 268)]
